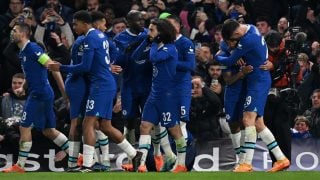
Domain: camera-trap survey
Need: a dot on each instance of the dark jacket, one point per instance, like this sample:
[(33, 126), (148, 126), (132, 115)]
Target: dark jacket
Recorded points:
[(204, 120)]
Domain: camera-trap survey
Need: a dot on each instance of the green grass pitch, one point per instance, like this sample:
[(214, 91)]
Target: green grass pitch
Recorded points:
[(299, 175)]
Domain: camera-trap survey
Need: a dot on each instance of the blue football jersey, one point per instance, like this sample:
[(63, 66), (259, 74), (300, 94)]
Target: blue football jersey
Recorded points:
[(137, 69), (186, 59), (253, 48), (35, 73), (95, 61), (164, 60)]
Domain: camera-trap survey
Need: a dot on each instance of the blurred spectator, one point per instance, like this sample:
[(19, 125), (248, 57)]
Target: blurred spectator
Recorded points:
[(236, 9), (304, 67), (54, 23), (217, 38), (205, 106), (174, 6), (55, 10), (152, 11), (10, 60), (93, 5), (301, 128), (221, 10), (136, 5), (315, 46), (282, 25), (108, 11), (215, 80), (13, 100), (12, 105), (12, 14), (274, 9), (199, 23), (306, 18), (313, 114), (263, 25), (118, 25), (203, 57)]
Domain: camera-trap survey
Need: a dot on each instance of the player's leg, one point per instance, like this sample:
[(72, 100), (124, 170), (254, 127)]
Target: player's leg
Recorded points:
[(268, 138), (171, 115), (75, 134), (76, 90), (113, 133), (129, 115), (103, 142), (181, 147), (24, 149), (48, 126), (250, 141)]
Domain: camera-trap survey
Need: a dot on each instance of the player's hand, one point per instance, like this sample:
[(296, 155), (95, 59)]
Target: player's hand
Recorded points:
[(267, 66), (54, 66), (116, 69), (246, 69), (117, 107), (241, 62)]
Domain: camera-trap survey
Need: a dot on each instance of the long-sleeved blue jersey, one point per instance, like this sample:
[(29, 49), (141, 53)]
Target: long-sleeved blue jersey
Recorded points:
[(186, 60), (137, 71), (75, 84), (164, 60), (95, 61), (252, 47)]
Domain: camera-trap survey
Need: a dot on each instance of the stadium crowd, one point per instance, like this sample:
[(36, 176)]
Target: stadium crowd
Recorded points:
[(164, 115)]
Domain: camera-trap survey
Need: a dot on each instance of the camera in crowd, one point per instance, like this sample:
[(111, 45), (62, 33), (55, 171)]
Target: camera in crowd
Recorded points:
[(296, 44)]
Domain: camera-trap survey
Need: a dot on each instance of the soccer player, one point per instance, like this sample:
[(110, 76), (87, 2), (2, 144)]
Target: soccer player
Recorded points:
[(77, 91), (234, 98), (186, 64), (162, 105), (252, 47), (137, 73), (38, 112), (99, 22), (102, 89)]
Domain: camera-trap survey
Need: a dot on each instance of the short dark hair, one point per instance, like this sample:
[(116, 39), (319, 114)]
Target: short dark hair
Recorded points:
[(131, 16), (23, 27), (263, 19), (83, 16), (119, 20), (97, 15), (273, 39), (228, 27), (175, 18), (167, 32)]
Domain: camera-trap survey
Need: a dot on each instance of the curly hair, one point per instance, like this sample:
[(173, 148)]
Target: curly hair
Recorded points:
[(167, 32)]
